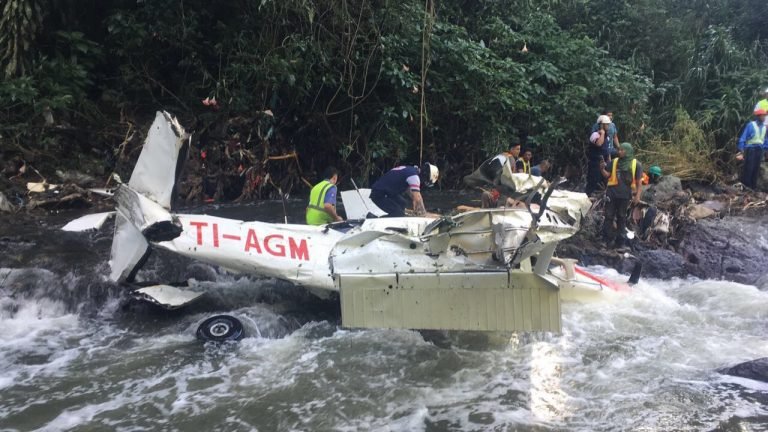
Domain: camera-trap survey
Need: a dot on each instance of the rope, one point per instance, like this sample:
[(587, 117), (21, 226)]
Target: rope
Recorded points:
[(429, 12)]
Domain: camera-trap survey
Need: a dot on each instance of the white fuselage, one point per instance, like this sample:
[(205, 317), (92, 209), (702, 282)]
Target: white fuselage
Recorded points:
[(298, 253)]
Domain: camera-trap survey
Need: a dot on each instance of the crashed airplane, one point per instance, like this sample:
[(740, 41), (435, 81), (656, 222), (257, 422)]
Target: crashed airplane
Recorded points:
[(485, 270)]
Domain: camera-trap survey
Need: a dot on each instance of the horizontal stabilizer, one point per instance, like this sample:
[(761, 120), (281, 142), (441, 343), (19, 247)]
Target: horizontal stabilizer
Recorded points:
[(88, 222)]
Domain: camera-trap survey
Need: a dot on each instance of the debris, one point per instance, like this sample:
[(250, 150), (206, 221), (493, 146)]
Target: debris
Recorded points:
[(5, 205), (40, 187), (699, 211)]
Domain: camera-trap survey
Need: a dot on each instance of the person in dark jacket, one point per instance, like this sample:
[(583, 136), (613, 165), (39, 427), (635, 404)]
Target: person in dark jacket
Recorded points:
[(597, 154), (625, 184), (388, 191)]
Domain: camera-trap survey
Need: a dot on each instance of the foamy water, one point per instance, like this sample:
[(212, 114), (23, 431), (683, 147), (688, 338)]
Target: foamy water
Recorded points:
[(645, 361)]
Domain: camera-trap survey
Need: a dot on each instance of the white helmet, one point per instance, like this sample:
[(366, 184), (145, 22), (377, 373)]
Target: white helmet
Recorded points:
[(429, 173), (604, 119)]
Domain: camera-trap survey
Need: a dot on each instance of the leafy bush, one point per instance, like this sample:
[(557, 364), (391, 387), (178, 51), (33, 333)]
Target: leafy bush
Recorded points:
[(686, 151)]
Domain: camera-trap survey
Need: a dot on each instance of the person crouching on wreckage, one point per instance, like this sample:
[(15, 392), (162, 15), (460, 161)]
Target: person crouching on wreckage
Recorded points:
[(489, 174), (624, 185), (387, 192)]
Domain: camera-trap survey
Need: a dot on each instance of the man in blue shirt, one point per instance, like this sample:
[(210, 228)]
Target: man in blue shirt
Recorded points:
[(751, 145), (387, 192), (321, 209), (541, 169)]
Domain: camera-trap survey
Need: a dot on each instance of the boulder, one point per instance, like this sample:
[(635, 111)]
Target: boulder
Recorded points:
[(762, 178), (668, 188), (762, 282), (657, 263), (725, 249), (754, 370)]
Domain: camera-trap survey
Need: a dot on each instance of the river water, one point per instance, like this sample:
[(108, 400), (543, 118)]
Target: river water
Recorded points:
[(75, 355)]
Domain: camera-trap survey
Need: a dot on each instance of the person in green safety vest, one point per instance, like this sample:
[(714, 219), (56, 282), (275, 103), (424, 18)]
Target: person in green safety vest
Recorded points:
[(322, 200), (752, 145), (625, 184)]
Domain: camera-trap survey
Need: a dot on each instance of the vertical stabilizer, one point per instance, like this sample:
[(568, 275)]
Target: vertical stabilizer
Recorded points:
[(154, 175), (150, 189)]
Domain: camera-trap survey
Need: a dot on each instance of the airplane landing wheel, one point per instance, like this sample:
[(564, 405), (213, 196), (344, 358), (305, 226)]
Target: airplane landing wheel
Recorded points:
[(220, 328)]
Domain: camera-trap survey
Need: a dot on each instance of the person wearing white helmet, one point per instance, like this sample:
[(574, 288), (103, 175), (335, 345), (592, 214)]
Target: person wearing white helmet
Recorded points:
[(612, 134), (762, 103), (596, 154), (388, 191)]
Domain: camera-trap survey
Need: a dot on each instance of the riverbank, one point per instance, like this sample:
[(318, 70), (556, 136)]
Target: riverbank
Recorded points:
[(704, 231)]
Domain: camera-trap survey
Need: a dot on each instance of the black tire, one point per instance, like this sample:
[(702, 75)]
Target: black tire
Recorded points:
[(220, 328)]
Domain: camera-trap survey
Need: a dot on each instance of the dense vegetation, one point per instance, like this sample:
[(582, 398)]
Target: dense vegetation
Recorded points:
[(368, 84)]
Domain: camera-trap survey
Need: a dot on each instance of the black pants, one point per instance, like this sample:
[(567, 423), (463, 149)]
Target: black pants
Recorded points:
[(394, 205), (753, 156), (595, 179), (615, 209)]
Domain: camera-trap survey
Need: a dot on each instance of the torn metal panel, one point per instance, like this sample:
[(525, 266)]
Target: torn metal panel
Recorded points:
[(484, 301), (358, 204)]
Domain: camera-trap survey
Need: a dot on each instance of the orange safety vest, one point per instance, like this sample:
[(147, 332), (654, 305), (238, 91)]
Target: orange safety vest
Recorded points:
[(613, 180), (646, 179)]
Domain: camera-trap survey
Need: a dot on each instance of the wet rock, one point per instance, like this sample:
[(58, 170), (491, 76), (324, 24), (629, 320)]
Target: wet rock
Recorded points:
[(762, 179), (724, 249), (668, 188), (657, 263), (762, 282), (754, 370)]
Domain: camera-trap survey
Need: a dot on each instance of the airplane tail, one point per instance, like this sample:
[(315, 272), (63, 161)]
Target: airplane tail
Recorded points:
[(144, 203)]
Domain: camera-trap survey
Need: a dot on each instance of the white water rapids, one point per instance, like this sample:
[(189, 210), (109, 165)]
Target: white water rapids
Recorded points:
[(644, 361)]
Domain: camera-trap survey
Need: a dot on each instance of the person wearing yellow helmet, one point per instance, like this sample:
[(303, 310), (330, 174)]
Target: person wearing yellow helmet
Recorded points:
[(752, 143)]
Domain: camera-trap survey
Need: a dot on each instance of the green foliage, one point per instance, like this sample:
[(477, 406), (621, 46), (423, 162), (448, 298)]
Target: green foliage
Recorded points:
[(20, 21), (343, 81), (686, 151)]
